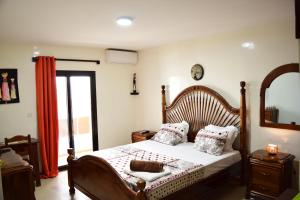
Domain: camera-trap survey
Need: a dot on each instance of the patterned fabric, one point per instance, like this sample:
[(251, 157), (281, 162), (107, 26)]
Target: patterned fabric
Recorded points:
[(232, 133), (172, 134), (210, 142), (183, 173)]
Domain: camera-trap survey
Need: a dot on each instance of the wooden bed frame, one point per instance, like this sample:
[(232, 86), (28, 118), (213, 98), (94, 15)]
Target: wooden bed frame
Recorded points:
[(199, 106)]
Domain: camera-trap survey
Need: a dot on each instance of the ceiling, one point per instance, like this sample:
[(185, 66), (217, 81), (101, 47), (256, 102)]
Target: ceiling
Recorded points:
[(156, 22)]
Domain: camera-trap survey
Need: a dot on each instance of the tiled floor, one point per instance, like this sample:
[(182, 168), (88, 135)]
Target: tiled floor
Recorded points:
[(57, 189)]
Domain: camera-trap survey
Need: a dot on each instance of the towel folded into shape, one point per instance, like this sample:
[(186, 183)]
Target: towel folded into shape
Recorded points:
[(146, 166), (148, 176)]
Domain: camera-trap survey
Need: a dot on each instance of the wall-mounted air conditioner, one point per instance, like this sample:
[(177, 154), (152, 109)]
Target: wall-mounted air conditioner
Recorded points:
[(121, 56)]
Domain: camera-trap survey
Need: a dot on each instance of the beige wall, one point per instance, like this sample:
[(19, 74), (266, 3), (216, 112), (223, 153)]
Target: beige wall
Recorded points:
[(115, 106), (224, 61), (225, 64)]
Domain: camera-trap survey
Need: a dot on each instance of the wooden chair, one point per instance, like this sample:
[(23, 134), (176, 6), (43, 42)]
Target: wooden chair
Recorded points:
[(24, 150)]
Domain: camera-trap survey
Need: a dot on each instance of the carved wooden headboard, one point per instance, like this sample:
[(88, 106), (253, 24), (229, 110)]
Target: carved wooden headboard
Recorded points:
[(200, 106)]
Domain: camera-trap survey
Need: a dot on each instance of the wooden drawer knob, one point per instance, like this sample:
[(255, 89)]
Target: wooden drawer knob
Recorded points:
[(263, 188), (264, 174)]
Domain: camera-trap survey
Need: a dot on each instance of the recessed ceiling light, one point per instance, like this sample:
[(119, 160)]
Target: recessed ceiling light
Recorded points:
[(36, 51), (248, 45), (124, 21)]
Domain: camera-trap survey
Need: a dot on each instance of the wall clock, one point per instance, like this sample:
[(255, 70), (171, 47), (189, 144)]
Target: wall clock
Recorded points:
[(197, 72)]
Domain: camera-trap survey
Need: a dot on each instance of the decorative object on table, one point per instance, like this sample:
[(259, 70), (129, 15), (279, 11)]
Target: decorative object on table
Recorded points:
[(272, 149), (134, 92), (269, 175), (9, 92), (138, 136), (197, 72)]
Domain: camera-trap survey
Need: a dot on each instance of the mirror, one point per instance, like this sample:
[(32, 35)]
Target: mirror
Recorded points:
[(280, 98)]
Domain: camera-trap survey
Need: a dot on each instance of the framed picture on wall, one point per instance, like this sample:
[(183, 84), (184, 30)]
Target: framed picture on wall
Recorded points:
[(9, 92)]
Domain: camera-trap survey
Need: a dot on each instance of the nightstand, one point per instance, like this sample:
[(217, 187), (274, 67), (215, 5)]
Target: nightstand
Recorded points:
[(142, 135), (269, 175)]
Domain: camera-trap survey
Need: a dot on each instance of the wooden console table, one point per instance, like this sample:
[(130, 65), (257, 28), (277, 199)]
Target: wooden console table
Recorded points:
[(17, 177), (19, 147)]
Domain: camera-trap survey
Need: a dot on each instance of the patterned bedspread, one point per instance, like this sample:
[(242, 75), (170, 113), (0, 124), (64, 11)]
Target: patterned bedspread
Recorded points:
[(183, 173)]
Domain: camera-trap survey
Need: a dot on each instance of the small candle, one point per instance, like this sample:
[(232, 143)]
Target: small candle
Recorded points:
[(272, 149)]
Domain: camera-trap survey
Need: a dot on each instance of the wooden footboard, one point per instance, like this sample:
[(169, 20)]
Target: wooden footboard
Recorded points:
[(98, 180)]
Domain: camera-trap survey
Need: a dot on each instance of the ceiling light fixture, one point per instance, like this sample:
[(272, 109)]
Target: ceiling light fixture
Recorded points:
[(248, 45), (36, 51), (124, 21)]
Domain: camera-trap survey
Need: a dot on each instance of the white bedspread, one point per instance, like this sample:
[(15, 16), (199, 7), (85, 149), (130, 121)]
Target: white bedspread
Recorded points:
[(185, 151)]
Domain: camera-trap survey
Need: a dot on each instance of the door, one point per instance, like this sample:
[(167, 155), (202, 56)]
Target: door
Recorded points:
[(77, 113)]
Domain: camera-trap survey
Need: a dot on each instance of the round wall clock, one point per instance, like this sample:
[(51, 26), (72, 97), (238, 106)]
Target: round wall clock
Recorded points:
[(197, 72)]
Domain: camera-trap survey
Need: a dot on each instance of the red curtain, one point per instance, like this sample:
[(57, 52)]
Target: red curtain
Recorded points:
[(46, 98)]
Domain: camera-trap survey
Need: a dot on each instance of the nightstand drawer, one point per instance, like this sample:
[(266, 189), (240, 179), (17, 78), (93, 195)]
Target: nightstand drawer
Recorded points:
[(263, 174), (268, 189)]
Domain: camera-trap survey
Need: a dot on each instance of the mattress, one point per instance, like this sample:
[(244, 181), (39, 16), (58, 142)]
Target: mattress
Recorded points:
[(185, 151)]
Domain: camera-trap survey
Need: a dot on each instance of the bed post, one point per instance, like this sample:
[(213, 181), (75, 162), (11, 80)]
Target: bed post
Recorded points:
[(70, 158), (141, 195), (243, 133), (163, 93)]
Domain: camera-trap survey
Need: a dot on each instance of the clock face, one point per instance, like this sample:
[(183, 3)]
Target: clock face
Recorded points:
[(197, 72)]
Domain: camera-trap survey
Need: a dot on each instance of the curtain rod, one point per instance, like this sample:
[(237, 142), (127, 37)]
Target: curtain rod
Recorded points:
[(74, 60)]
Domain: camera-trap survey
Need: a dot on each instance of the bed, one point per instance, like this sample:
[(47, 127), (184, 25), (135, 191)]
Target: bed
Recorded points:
[(99, 176)]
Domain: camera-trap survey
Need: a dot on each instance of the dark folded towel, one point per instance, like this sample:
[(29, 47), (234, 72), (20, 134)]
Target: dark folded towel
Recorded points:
[(146, 166)]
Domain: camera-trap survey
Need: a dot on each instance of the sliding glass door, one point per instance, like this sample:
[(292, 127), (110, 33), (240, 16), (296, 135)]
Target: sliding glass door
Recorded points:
[(77, 113)]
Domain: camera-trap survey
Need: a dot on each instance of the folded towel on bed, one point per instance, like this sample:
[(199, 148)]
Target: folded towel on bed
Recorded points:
[(146, 166), (148, 176)]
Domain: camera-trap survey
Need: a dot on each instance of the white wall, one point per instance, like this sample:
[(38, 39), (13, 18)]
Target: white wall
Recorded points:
[(225, 64), (115, 106)]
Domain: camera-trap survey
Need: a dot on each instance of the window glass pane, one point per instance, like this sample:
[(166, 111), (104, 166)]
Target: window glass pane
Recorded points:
[(62, 105), (81, 110)]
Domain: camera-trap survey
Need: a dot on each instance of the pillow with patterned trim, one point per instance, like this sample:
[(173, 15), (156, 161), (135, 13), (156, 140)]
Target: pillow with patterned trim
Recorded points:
[(232, 133), (210, 142), (172, 134)]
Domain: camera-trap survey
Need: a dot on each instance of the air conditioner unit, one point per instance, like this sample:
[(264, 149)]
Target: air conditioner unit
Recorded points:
[(121, 56)]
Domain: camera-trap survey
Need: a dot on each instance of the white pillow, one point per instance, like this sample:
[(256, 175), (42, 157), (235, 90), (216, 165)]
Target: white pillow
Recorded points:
[(172, 134), (210, 142), (185, 127), (232, 133)]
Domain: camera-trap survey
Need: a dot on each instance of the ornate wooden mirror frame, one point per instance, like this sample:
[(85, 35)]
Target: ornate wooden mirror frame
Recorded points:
[(293, 67)]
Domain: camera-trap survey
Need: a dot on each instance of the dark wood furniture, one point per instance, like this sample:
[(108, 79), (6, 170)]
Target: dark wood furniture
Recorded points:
[(271, 114), (17, 178), (26, 152), (23, 147), (293, 67), (288, 194), (199, 106), (269, 175), (138, 136)]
